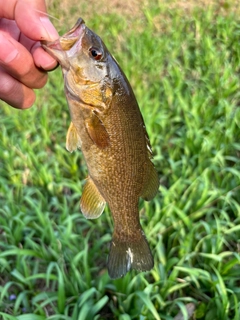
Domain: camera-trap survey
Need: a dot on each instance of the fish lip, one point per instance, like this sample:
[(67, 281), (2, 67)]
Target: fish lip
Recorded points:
[(73, 34), (76, 29)]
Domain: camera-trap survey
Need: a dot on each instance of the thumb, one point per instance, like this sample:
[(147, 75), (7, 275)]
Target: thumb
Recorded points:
[(31, 18)]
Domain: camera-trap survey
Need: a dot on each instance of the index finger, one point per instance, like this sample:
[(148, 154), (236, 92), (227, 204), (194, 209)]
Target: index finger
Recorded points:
[(31, 18)]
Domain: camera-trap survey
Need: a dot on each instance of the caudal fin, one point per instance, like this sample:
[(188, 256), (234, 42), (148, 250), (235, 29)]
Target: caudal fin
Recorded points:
[(124, 256)]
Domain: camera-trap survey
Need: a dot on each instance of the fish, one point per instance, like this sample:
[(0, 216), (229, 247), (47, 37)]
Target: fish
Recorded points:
[(108, 127)]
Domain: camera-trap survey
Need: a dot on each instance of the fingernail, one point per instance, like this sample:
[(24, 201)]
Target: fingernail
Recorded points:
[(49, 28), (50, 66)]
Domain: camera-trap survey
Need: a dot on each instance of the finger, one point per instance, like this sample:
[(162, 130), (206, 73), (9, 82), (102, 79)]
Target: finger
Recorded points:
[(18, 62), (31, 18), (42, 59), (15, 93), (10, 28)]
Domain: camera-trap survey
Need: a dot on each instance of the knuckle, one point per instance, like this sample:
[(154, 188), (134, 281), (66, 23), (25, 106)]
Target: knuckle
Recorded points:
[(8, 85), (32, 77), (40, 81), (26, 70), (15, 93)]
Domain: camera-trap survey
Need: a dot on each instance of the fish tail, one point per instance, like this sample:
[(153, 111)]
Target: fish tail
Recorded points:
[(126, 255)]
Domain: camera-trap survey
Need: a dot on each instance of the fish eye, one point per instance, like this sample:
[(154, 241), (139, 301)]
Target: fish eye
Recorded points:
[(95, 53)]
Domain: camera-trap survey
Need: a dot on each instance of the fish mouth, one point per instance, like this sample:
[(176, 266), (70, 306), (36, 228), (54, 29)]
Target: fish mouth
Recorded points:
[(66, 46), (67, 41), (76, 29)]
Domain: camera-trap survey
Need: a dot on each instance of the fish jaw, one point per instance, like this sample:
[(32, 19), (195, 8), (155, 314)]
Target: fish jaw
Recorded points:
[(66, 46), (55, 50), (76, 29)]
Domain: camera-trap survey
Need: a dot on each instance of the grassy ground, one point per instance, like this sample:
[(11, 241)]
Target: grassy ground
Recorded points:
[(183, 62)]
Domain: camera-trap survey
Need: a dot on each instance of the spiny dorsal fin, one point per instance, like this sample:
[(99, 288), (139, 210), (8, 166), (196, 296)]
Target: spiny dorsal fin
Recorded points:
[(92, 203), (97, 131), (73, 140), (151, 182)]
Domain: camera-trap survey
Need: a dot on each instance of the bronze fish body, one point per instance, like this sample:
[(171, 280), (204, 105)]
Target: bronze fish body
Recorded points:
[(108, 127)]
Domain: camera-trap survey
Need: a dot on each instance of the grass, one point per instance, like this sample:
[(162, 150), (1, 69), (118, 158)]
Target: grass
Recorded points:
[(183, 63)]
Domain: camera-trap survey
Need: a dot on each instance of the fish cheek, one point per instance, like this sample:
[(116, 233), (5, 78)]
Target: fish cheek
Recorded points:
[(92, 70)]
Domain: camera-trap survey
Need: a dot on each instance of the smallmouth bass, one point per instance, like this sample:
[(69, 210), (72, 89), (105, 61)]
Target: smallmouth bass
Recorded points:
[(106, 124)]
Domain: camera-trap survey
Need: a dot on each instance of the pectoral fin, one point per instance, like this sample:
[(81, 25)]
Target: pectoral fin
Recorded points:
[(97, 131), (151, 182), (73, 140), (92, 203)]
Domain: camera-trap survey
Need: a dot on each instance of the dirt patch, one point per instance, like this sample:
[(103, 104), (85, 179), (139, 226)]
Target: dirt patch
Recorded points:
[(93, 7), (68, 11), (192, 4)]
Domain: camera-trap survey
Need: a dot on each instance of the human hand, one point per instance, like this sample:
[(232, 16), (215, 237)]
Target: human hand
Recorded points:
[(23, 23)]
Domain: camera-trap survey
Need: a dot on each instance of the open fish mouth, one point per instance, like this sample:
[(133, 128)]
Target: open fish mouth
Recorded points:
[(71, 37), (67, 41), (66, 46), (76, 29)]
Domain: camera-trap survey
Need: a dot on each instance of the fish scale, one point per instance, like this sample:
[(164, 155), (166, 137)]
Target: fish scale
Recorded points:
[(108, 127)]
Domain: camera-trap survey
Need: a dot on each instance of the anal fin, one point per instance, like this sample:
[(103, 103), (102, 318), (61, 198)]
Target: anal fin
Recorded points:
[(151, 182), (92, 203), (72, 140)]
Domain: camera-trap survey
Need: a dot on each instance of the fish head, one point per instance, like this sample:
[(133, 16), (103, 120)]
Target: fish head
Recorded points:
[(82, 51)]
